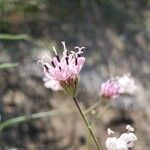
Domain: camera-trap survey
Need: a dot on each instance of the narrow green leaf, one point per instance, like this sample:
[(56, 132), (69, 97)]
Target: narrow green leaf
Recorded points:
[(8, 65), (26, 118), (10, 37)]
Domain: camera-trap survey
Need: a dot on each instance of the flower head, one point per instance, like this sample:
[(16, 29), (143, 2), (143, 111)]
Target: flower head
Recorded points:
[(118, 85), (110, 89), (124, 142), (65, 69), (129, 138), (111, 143)]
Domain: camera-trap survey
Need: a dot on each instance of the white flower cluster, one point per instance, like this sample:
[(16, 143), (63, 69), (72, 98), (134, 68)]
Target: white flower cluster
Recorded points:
[(124, 142), (127, 84), (52, 84)]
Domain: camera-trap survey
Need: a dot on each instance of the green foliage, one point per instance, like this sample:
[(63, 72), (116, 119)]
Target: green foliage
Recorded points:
[(26, 118), (8, 65), (10, 37)]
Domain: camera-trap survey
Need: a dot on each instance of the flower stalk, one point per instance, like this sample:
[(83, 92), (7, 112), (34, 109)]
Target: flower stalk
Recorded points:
[(65, 71), (86, 123)]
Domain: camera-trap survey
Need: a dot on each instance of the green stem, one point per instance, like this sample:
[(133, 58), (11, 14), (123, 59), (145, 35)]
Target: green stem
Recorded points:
[(92, 107), (87, 124), (25, 118)]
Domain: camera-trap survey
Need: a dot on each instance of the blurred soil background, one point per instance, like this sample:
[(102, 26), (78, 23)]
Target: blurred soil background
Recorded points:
[(116, 35)]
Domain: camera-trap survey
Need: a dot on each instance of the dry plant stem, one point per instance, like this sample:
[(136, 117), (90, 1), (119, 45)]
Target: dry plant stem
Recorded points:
[(87, 124), (92, 107)]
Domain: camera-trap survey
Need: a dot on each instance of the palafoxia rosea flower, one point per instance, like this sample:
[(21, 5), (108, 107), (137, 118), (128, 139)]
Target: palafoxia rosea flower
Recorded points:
[(110, 89), (65, 69), (113, 87)]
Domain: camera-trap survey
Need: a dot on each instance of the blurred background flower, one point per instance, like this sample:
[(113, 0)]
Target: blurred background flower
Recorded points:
[(127, 85), (126, 141)]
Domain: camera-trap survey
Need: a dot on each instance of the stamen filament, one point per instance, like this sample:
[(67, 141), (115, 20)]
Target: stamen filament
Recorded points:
[(40, 61), (59, 68), (63, 43), (54, 49), (46, 67), (58, 58), (65, 49), (79, 48), (67, 60), (76, 61), (53, 64)]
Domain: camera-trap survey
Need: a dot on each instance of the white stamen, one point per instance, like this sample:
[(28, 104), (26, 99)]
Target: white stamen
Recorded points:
[(129, 128), (54, 49), (46, 56), (110, 131), (80, 49), (40, 61), (63, 43), (74, 54)]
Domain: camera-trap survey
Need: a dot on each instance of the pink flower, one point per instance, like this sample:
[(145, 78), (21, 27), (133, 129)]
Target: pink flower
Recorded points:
[(110, 89), (118, 85), (65, 69)]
